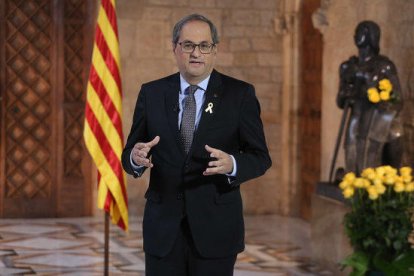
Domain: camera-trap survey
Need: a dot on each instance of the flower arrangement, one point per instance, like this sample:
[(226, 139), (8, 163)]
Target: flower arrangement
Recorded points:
[(380, 223), (382, 93)]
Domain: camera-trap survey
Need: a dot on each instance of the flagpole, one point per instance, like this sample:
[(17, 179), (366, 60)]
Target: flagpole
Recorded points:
[(106, 245)]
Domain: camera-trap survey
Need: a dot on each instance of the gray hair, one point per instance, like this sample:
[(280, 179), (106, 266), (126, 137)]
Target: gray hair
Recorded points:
[(194, 17)]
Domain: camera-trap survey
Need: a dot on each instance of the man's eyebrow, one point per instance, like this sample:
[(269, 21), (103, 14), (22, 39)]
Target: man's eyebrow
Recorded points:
[(204, 41)]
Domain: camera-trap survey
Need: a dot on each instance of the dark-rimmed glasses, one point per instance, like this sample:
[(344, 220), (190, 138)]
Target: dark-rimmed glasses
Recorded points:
[(189, 47)]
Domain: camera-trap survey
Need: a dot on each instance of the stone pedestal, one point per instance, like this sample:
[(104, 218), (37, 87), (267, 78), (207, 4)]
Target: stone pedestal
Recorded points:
[(328, 240)]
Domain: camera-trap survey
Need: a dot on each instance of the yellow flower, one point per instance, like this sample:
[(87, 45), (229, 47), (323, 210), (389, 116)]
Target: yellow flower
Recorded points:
[(359, 182), (344, 184), (409, 187), (389, 179), (348, 192), (405, 171), (384, 95), (373, 95), (380, 189), (390, 170), (406, 178), (350, 177), (380, 171), (368, 173), (385, 85), (366, 183), (399, 187), (372, 193), (377, 181)]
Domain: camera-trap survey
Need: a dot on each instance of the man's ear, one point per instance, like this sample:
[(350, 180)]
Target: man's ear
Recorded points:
[(215, 49)]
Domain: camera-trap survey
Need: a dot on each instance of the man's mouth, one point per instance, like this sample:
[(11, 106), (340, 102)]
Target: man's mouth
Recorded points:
[(196, 62)]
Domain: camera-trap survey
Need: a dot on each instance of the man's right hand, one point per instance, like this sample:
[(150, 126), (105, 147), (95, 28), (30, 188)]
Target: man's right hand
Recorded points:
[(140, 152)]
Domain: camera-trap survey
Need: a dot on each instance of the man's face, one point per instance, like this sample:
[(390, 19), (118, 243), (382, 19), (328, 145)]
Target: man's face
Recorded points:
[(195, 66)]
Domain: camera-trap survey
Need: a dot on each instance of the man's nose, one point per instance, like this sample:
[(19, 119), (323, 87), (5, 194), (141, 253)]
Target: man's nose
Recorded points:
[(196, 52)]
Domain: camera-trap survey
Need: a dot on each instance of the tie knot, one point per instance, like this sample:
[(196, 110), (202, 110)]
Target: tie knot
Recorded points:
[(191, 89)]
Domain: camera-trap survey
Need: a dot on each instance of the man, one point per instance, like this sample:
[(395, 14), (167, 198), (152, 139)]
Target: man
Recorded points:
[(200, 147)]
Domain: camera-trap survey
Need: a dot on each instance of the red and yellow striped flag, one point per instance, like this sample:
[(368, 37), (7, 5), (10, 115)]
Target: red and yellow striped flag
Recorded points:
[(103, 116)]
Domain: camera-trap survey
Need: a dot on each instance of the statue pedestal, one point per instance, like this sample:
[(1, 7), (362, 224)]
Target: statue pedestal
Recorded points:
[(329, 242)]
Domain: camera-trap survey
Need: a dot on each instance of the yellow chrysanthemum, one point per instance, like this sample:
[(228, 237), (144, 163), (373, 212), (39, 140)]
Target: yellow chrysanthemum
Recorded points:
[(373, 95), (406, 178), (348, 192), (409, 187), (372, 193), (366, 183), (385, 95), (380, 189), (405, 171), (359, 182), (389, 179), (399, 187), (390, 170), (377, 181), (344, 184), (350, 177), (385, 85), (380, 171), (368, 173)]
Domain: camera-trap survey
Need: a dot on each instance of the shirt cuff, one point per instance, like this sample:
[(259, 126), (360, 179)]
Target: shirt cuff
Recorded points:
[(231, 177), (138, 170)]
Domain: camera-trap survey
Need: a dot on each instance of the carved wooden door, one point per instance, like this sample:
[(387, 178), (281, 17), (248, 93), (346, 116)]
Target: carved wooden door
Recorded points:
[(44, 56)]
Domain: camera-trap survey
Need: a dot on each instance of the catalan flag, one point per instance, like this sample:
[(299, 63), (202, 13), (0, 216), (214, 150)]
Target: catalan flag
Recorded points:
[(103, 116)]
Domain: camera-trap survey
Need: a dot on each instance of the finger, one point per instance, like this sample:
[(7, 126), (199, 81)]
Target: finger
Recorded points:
[(147, 163), (213, 151), (148, 145), (140, 161), (211, 171), (214, 164), (139, 146), (140, 157), (141, 153), (153, 142)]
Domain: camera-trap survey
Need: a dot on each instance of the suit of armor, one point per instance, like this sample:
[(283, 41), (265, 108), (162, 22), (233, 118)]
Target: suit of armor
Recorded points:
[(373, 131)]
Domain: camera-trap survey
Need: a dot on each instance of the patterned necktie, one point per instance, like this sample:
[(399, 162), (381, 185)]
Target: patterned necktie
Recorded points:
[(188, 117)]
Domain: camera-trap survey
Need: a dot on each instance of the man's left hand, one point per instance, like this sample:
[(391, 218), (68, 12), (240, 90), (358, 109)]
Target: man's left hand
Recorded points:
[(223, 163)]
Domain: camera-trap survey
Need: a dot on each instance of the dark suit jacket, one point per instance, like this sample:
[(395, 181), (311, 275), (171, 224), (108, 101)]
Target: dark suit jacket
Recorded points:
[(177, 186)]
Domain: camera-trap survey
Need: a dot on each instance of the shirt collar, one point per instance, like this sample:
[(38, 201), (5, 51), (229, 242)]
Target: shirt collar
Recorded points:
[(184, 84)]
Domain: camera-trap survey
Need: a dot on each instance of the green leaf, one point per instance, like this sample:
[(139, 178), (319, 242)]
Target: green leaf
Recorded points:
[(397, 245), (358, 261), (403, 265)]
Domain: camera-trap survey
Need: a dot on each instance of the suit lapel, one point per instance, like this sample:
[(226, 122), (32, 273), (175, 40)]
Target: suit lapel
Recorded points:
[(211, 104), (171, 105)]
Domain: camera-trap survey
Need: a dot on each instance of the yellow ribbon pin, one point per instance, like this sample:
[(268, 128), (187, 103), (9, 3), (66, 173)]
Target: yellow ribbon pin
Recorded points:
[(209, 108)]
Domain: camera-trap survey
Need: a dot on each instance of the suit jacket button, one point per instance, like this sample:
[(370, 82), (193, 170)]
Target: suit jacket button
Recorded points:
[(180, 195)]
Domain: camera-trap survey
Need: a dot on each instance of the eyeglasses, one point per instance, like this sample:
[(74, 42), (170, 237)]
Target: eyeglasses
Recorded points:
[(189, 47)]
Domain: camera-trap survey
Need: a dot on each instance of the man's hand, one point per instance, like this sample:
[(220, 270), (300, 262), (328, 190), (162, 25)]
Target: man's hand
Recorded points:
[(222, 165), (141, 150)]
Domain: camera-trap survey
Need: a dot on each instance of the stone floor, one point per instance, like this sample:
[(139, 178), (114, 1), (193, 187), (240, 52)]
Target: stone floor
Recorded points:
[(274, 246)]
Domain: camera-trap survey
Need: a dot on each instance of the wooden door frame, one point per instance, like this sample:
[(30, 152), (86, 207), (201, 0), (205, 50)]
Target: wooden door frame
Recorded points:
[(2, 104)]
